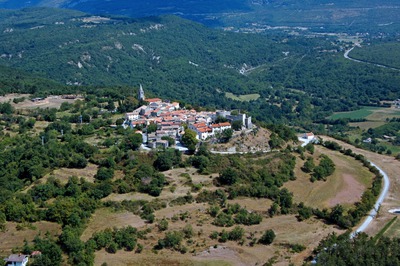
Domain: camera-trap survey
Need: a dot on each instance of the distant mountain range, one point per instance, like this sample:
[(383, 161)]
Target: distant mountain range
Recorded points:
[(334, 15)]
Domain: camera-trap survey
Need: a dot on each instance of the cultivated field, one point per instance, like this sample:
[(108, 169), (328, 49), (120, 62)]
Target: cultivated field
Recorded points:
[(357, 114), (375, 116)]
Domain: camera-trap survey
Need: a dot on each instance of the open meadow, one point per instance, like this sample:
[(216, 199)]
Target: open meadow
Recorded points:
[(344, 187), (49, 102), (371, 114), (391, 166)]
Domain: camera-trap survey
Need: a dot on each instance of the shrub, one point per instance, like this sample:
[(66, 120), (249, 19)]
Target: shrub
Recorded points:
[(267, 238)]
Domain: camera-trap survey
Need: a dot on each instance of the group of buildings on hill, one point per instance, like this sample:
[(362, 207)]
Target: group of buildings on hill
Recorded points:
[(170, 118)]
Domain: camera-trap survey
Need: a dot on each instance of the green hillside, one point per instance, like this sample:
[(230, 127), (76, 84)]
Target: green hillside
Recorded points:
[(179, 59)]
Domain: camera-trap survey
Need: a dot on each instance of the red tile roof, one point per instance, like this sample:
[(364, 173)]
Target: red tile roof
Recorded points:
[(204, 129), (153, 100)]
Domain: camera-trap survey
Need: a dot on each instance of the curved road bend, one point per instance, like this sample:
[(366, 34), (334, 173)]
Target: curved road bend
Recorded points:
[(373, 212), (382, 196), (346, 55)]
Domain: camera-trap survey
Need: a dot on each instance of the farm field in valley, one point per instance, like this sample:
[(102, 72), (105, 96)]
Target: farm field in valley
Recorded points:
[(369, 113)]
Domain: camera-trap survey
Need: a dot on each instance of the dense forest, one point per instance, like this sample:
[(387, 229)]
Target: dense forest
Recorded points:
[(379, 52), (299, 79)]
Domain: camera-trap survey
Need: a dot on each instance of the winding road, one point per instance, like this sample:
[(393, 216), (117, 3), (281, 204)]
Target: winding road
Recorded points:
[(346, 55), (372, 214)]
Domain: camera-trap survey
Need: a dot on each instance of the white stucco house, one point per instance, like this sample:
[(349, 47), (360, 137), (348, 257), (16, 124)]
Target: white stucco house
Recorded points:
[(17, 260)]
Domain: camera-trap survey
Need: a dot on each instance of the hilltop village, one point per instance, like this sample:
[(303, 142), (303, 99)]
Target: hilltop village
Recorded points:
[(169, 119)]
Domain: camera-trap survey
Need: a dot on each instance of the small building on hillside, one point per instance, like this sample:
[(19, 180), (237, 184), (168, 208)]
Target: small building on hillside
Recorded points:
[(368, 140), (308, 136), (17, 260), (220, 127), (396, 103)]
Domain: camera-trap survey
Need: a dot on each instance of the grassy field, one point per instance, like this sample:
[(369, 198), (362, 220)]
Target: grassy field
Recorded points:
[(201, 249), (344, 187), (242, 98), (391, 166), (105, 218), (12, 237), (357, 114), (372, 114), (367, 124), (393, 230)]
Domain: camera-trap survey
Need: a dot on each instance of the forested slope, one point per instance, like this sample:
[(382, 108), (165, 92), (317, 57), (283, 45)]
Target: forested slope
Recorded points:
[(179, 59)]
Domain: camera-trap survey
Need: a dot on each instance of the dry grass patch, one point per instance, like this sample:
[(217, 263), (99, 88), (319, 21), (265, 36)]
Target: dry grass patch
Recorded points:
[(394, 230), (242, 98), (200, 248), (105, 218), (63, 174), (12, 237), (249, 142), (40, 125), (123, 258), (391, 166), (253, 204), (87, 173), (368, 124), (382, 114), (49, 102), (128, 196), (345, 186)]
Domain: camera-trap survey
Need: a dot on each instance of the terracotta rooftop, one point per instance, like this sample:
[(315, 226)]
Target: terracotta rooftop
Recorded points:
[(225, 124), (153, 100), (204, 129)]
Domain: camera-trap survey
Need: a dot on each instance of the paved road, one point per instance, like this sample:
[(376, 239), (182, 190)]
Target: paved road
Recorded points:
[(382, 196), (346, 55), (373, 212)]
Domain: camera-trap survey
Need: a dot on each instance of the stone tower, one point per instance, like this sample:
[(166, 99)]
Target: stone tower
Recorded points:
[(141, 94)]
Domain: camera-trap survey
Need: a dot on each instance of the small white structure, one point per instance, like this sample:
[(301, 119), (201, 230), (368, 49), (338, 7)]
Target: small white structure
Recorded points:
[(396, 103), (220, 127), (308, 136), (368, 140), (17, 260)]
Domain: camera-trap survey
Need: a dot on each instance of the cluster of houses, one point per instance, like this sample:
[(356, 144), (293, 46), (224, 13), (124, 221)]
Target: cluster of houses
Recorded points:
[(170, 118)]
